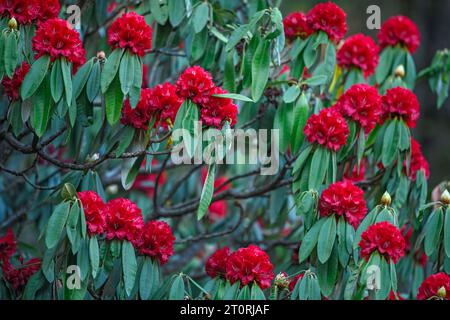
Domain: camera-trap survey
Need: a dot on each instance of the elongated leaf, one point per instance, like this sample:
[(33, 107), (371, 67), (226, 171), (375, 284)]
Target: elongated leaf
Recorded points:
[(390, 143), (291, 94), (159, 11), (126, 72), (326, 239), (110, 69), (177, 11), (34, 77), (260, 69), (94, 255), (200, 17), (447, 232), (11, 54), (113, 101), (234, 96), (177, 289), (256, 293), (385, 64), (319, 166), (81, 77), (56, 81), (301, 111), (67, 79), (56, 224), (207, 192), (129, 264), (42, 108), (145, 280), (433, 231), (309, 241), (93, 82)]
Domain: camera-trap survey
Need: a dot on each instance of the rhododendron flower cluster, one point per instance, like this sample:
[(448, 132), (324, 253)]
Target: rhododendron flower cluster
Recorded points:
[(124, 220), (56, 38), (28, 11), (362, 104), (417, 162), (131, 32), (12, 85), (18, 277), (399, 30), (196, 84), (296, 25), (429, 289), (329, 18), (403, 103), (140, 116), (156, 241), (8, 245), (246, 265), (95, 212), (343, 199), (327, 128), (359, 51), (384, 238)]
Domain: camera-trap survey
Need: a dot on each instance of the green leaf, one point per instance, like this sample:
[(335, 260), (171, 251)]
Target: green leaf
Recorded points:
[(126, 72), (130, 170), (113, 101), (199, 44), (177, 289), (260, 69), (207, 192), (309, 241), (230, 293), (256, 293), (42, 108), (326, 239), (93, 82), (447, 232), (234, 96), (410, 76), (159, 11), (129, 264), (385, 280), (110, 69), (145, 280), (125, 140), (67, 79), (81, 77), (56, 224), (319, 166), (94, 255), (56, 81), (390, 143), (385, 65), (291, 94), (71, 225), (301, 111), (327, 273), (35, 282), (433, 231), (11, 54), (177, 11), (236, 36), (316, 80), (200, 16), (34, 77), (135, 91), (244, 294)]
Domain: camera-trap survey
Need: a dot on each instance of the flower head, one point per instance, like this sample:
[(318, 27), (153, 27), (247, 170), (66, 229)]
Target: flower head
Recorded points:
[(131, 32), (401, 102), (19, 277), (417, 162), (362, 104), (48, 9), (359, 51), (56, 38), (216, 265), (156, 241), (343, 199), (216, 110), (295, 25), (12, 85), (8, 244), (327, 128), (193, 83), (24, 11), (165, 100), (384, 238), (94, 210), (140, 116), (429, 289), (124, 220), (328, 17), (248, 265), (399, 30)]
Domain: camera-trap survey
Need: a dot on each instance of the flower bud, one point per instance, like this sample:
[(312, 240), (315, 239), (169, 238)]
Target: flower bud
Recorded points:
[(101, 55), (442, 293), (282, 280), (386, 199), (400, 71), (68, 191), (112, 189), (445, 197), (12, 24)]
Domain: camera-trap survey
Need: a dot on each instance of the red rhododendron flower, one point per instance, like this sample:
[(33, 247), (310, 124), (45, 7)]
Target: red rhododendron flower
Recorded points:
[(8, 244), (362, 104), (12, 85), (417, 162), (24, 11), (248, 265), (56, 38), (343, 199), (295, 25), (124, 220), (384, 238), (295, 280), (430, 287), (94, 210), (328, 17), (399, 30), (359, 51), (48, 9), (328, 128), (165, 100), (18, 278), (216, 265), (193, 83), (156, 241), (140, 116), (130, 31), (216, 110), (401, 102)]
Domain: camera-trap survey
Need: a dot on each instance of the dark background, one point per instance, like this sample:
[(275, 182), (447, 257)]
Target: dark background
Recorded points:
[(433, 20)]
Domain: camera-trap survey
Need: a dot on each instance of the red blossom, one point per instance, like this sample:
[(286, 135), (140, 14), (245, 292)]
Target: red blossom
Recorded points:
[(420, 257), (216, 265), (354, 176), (140, 116), (165, 100), (401, 102), (156, 241), (130, 31), (18, 277), (8, 244), (12, 85), (145, 182), (193, 83), (124, 220), (24, 11), (215, 110), (94, 210), (328, 128), (56, 38), (330, 18), (295, 280), (362, 104), (248, 265), (431, 285), (417, 162), (295, 25), (48, 9), (399, 30), (359, 51), (384, 238), (343, 199), (144, 76)]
